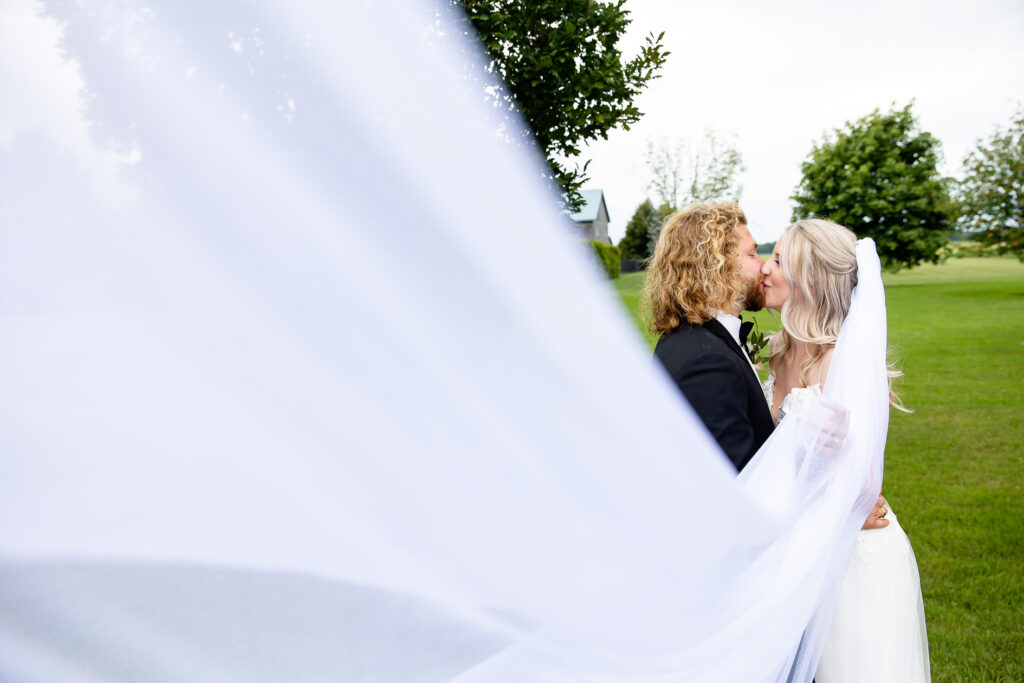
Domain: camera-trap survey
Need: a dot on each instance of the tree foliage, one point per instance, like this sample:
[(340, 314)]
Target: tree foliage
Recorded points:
[(680, 174), (608, 256), (991, 193), (646, 220), (665, 171), (654, 228), (878, 177), (564, 73)]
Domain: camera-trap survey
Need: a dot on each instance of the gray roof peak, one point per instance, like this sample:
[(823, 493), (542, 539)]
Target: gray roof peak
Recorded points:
[(592, 200)]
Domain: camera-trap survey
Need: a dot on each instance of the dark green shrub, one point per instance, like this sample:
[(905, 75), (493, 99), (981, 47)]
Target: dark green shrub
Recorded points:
[(609, 256)]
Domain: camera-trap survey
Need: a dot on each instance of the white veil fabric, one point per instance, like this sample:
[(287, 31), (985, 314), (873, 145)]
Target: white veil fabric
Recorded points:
[(304, 378)]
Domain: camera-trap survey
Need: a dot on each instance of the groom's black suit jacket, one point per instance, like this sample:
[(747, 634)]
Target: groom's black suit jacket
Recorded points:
[(712, 371)]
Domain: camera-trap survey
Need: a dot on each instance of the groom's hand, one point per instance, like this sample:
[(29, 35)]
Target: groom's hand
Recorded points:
[(876, 520)]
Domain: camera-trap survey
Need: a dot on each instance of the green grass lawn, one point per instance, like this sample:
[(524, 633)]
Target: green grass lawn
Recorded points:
[(955, 467)]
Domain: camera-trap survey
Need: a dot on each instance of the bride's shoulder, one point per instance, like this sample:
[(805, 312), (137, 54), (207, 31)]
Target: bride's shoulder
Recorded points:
[(817, 372)]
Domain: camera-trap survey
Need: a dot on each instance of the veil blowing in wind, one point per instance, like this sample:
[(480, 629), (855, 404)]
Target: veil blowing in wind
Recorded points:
[(279, 402)]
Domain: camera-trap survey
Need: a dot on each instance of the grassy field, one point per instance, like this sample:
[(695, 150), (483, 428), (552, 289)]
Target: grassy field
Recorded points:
[(955, 467)]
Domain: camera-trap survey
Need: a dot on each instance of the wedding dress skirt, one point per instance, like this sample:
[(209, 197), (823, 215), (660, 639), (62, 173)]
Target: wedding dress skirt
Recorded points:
[(878, 632)]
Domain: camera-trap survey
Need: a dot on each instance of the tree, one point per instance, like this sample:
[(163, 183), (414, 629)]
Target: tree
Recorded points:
[(680, 174), (636, 242), (563, 73), (665, 171), (654, 228), (991, 193), (878, 177)]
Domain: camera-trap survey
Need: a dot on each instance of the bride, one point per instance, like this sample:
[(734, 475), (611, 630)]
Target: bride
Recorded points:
[(878, 632)]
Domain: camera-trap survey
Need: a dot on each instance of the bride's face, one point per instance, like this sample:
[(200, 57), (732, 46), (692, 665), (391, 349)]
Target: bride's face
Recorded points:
[(773, 282)]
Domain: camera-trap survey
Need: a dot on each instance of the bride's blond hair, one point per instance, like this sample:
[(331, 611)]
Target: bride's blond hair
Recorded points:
[(818, 259)]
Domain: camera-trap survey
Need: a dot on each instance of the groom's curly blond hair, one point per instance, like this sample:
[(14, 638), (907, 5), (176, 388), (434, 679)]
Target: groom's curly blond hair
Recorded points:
[(694, 271)]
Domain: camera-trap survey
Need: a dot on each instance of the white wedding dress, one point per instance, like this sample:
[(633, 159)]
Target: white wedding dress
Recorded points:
[(878, 633)]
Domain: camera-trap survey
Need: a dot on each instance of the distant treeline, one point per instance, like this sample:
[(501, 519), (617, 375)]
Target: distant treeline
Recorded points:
[(766, 248)]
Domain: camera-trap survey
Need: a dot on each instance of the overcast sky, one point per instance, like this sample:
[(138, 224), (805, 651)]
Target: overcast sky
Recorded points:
[(781, 74)]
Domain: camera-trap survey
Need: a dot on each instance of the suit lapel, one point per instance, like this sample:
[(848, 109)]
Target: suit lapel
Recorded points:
[(718, 329)]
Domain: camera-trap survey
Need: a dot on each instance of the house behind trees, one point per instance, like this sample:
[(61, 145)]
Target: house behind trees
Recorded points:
[(592, 219)]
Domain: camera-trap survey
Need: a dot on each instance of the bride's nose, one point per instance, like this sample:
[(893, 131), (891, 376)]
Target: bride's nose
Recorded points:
[(766, 268)]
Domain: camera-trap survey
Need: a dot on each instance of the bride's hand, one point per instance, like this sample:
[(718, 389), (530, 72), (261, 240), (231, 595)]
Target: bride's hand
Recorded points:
[(876, 520), (830, 421)]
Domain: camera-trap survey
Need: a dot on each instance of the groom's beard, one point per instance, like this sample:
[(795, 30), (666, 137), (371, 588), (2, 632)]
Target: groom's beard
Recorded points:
[(753, 296)]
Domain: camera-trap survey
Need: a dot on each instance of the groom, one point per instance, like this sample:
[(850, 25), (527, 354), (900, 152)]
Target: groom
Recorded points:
[(705, 271)]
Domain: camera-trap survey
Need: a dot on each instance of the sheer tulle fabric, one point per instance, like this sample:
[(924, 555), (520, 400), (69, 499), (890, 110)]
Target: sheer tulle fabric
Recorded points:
[(304, 379)]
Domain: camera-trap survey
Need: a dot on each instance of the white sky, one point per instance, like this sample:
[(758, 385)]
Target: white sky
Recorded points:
[(781, 74)]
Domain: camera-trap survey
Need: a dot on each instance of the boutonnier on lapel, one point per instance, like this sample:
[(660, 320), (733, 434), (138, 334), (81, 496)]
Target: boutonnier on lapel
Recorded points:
[(755, 343)]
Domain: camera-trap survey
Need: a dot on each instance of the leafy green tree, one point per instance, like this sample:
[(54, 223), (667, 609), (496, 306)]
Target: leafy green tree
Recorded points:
[(636, 242), (680, 174), (991, 193), (564, 74), (878, 177)]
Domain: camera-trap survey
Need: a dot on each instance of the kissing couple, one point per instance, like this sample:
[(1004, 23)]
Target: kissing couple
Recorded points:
[(704, 272)]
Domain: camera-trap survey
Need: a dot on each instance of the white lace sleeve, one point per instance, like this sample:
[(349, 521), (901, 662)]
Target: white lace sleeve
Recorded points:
[(768, 387)]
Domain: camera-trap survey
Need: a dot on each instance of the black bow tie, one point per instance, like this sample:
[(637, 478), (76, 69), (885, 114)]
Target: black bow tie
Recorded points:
[(745, 331)]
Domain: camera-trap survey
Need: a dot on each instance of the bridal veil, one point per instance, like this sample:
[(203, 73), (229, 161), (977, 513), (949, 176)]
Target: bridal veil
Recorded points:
[(303, 378)]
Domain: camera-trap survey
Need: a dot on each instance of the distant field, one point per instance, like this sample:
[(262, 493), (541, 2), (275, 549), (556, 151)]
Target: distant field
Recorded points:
[(960, 270), (955, 467)]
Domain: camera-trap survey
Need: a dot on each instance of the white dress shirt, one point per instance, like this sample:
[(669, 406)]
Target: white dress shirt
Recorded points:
[(732, 325)]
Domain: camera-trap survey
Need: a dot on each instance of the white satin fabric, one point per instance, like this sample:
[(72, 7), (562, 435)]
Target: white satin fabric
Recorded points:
[(303, 378)]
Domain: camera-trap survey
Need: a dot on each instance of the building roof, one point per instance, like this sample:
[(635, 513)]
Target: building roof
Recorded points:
[(592, 200)]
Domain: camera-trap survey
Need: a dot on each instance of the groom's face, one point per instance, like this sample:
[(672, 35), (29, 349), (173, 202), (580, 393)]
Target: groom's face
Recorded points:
[(750, 266)]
